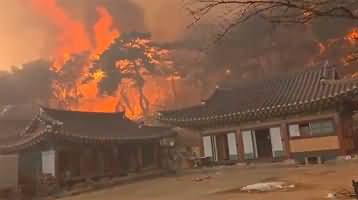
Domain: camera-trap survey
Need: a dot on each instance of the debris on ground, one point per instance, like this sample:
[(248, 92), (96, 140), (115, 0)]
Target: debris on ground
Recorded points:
[(267, 187), (202, 178), (331, 195), (218, 173), (341, 194), (348, 157)]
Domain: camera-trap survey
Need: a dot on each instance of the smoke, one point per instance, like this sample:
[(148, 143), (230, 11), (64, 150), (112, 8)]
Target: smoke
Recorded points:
[(126, 15), (152, 16), (167, 20), (258, 48), (24, 36), (30, 82)]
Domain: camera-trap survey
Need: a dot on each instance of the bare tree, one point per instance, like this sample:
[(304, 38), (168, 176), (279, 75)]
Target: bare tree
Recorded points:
[(275, 11)]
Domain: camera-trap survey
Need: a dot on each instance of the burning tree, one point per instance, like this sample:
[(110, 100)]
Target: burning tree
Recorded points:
[(66, 83), (98, 68), (128, 63)]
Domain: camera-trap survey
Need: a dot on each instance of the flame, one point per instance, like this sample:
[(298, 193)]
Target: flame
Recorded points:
[(73, 38), (355, 75), (341, 50), (155, 90), (104, 33), (352, 36), (350, 57), (98, 75), (322, 48)]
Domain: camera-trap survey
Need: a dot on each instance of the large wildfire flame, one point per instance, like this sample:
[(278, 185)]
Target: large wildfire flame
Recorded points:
[(77, 88)]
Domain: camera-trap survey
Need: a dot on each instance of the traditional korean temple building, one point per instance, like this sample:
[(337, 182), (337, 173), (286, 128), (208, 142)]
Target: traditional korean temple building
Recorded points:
[(305, 115), (74, 146)]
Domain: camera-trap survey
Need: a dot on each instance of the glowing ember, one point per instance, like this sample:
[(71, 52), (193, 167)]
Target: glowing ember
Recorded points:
[(340, 50), (228, 72), (322, 48), (355, 75), (351, 56), (352, 37), (98, 75)]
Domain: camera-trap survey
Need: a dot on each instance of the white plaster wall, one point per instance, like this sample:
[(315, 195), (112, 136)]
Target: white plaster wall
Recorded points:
[(48, 162)]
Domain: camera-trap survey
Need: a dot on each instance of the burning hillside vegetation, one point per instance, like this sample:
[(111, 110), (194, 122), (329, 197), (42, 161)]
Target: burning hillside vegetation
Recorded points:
[(106, 70)]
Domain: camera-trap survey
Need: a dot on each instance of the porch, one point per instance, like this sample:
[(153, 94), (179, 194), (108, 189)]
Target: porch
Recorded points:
[(265, 144), (44, 172), (323, 136)]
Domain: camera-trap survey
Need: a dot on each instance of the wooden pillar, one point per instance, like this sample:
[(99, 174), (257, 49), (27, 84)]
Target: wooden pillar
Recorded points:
[(139, 157), (115, 166), (340, 134), (57, 164), (286, 139), (83, 163), (345, 118), (349, 133), (132, 158), (100, 169), (157, 154), (91, 161), (240, 145), (201, 145)]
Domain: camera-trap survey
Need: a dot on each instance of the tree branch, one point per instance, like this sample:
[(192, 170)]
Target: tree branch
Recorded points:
[(274, 11)]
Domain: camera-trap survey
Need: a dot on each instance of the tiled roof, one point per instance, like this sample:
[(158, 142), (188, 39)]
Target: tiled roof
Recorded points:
[(15, 118), (18, 112), (103, 125), (80, 127), (311, 89)]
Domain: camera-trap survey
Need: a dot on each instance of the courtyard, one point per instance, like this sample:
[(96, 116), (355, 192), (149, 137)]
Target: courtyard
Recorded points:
[(224, 183)]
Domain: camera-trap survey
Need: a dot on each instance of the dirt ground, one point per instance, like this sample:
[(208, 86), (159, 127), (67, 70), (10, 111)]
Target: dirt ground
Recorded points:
[(224, 183)]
